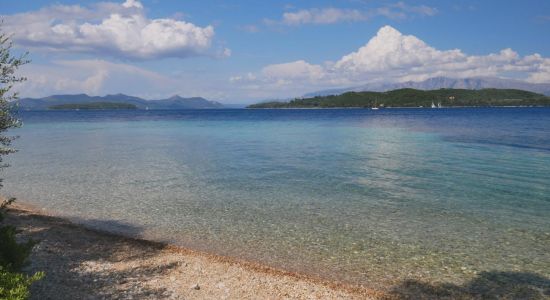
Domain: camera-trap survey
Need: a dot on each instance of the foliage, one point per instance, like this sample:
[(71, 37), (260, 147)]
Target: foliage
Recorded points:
[(8, 65), (13, 255), (94, 105), (15, 286), (418, 98)]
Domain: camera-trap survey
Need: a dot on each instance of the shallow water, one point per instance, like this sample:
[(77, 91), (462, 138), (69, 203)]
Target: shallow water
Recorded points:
[(369, 197)]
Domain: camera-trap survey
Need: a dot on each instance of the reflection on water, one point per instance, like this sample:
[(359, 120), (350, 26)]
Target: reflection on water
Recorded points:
[(356, 195)]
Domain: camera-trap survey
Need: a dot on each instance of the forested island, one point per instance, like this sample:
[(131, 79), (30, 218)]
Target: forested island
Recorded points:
[(417, 98), (93, 105)]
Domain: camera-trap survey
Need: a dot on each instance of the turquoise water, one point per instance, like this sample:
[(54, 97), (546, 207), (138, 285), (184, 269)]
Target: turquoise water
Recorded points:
[(368, 197)]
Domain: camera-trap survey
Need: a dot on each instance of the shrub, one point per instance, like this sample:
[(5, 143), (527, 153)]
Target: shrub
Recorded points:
[(13, 255), (15, 286)]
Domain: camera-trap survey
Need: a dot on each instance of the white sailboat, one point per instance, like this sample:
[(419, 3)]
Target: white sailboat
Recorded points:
[(433, 105), (374, 107)]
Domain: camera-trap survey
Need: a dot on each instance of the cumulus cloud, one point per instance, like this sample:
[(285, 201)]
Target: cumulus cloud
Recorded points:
[(390, 50), (391, 56), (120, 30), (331, 15)]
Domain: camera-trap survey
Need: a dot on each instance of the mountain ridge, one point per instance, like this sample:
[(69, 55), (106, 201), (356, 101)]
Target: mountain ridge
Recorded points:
[(434, 83), (174, 102)]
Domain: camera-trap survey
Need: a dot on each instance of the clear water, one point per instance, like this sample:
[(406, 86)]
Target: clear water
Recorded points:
[(368, 197)]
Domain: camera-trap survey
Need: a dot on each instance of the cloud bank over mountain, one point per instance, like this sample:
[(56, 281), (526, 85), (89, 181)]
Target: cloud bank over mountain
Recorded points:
[(391, 56), (92, 76)]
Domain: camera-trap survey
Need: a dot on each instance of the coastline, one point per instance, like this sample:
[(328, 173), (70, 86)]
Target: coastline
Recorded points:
[(86, 262), (403, 107)]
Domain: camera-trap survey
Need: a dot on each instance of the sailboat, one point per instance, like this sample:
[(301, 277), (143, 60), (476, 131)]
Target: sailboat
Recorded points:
[(374, 107), (433, 105), (439, 105)]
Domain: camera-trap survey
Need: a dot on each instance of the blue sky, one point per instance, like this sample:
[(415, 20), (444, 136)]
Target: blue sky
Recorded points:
[(244, 51)]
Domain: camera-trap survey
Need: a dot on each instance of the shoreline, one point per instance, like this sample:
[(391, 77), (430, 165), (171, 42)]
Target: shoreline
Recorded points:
[(86, 263), (403, 107), (296, 108), (273, 282)]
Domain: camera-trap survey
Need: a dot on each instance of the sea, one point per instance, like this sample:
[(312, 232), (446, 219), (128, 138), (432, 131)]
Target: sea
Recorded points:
[(360, 196)]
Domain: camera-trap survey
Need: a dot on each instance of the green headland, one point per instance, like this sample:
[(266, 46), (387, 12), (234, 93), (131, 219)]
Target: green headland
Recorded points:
[(417, 98)]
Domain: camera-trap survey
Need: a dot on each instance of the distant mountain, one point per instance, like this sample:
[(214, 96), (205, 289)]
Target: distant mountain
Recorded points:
[(174, 102), (177, 102), (473, 83), (94, 106)]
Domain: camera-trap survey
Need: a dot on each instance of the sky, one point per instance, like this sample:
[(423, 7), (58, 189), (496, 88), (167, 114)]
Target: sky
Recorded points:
[(248, 51)]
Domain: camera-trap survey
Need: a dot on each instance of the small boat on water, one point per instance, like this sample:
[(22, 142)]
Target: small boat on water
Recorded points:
[(433, 105), (375, 107)]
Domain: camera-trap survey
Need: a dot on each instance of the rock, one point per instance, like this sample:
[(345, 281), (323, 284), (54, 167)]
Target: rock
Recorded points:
[(195, 287)]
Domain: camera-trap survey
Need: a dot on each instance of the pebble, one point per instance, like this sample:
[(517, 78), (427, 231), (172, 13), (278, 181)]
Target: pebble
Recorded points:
[(94, 276)]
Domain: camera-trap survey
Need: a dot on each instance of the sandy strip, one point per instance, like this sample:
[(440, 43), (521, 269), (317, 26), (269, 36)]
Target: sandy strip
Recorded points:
[(82, 263)]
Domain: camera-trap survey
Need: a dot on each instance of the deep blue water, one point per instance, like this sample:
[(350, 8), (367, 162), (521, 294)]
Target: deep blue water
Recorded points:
[(358, 195)]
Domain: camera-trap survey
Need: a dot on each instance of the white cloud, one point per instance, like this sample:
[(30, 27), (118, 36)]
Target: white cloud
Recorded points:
[(322, 16), (401, 10), (225, 52), (398, 10), (120, 30), (300, 70), (393, 57), (100, 77), (390, 50), (132, 3), (93, 76)]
